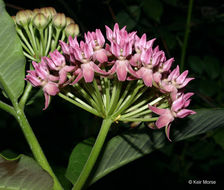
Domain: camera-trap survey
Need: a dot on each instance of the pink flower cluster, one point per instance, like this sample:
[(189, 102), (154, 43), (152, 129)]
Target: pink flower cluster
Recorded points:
[(125, 54)]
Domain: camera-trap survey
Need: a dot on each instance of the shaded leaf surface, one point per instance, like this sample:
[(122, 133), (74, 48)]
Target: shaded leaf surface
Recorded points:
[(12, 61), (78, 159), (23, 173), (132, 145), (138, 142)]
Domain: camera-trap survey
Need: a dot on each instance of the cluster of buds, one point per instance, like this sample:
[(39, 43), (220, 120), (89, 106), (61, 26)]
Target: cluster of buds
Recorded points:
[(125, 78), (41, 29)]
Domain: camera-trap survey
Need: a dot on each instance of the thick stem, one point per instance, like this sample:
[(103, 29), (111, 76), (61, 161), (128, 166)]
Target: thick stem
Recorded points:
[(34, 145), (94, 154), (186, 35)]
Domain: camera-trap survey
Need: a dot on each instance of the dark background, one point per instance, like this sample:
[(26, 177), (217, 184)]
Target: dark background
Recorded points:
[(62, 125)]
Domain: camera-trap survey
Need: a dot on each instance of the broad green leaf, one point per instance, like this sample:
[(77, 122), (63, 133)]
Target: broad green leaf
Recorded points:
[(23, 173), (138, 142), (12, 61), (78, 159), (153, 9)]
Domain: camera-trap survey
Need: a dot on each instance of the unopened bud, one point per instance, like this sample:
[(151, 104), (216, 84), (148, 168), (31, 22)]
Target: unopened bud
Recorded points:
[(52, 11), (40, 21), (69, 21), (48, 12), (59, 20), (72, 30), (35, 11), (23, 17)]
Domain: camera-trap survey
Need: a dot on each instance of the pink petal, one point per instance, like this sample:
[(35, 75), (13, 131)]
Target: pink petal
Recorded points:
[(78, 78), (177, 104), (47, 100), (51, 88), (121, 69), (88, 72), (187, 80), (147, 77), (157, 77), (62, 76), (168, 64), (64, 47), (167, 131), (100, 37), (185, 112), (164, 119), (156, 110), (100, 55), (182, 77)]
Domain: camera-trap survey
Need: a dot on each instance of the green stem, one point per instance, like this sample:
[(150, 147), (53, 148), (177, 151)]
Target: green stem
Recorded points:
[(94, 154), (85, 95), (7, 108), (76, 101), (99, 97), (25, 96), (58, 31), (128, 100), (25, 41), (34, 145), (115, 96), (49, 39), (133, 119), (33, 36), (107, 86), (186, 35), (42, 42)]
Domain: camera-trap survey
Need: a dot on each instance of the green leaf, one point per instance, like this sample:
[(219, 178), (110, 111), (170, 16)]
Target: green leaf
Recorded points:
[(153, 9), (135, 143), (78, 159), (23, 173), (130, 17), (12, 61)]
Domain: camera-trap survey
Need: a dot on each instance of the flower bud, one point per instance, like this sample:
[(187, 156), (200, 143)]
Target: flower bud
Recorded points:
[(48, 12), (59, 20), (69, 21), (40, 21), (23, 17), (72, 30), (35, 11)]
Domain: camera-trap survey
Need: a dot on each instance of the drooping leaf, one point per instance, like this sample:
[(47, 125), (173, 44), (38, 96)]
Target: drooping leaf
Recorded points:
[(136, 143), (12, 61), (23, 173), (78, 159)]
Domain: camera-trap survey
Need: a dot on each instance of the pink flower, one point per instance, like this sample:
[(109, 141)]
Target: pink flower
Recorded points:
[(97, 40), (149, 59), (57, 63), (177, 110), (162, 68), (175, 81), (84, 54), (42, 77)]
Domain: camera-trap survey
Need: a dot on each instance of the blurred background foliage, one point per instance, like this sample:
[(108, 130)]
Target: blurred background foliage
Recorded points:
[(61, 126)]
